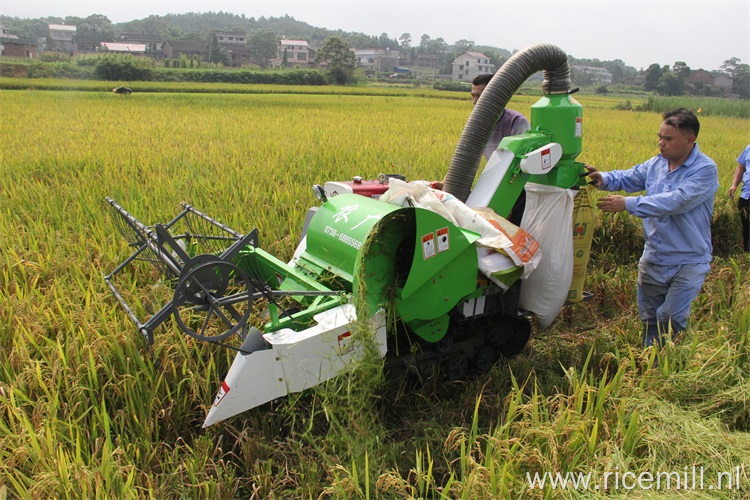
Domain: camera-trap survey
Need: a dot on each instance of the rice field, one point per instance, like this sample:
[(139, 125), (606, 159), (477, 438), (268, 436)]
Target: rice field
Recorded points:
[(87, 411)]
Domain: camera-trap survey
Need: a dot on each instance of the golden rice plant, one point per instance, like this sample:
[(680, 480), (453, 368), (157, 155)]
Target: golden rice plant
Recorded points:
[(86, 410)]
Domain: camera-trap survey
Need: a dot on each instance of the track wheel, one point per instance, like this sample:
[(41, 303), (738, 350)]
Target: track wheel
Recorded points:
[(213, 300), (485, 358), (457, 366), (511, 336)]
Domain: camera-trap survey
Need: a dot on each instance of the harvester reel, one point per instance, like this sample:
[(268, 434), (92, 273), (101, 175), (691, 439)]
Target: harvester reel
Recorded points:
[(213, 299), (207, 276)]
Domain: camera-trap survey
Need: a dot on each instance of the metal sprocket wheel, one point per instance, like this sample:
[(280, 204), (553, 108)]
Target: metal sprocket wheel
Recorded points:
[(213, 301)]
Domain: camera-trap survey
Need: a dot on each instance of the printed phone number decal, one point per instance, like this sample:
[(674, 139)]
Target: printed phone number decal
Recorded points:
[(343, 238)]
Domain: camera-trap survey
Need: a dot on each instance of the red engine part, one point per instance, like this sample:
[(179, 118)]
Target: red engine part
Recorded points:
[(369, 188)]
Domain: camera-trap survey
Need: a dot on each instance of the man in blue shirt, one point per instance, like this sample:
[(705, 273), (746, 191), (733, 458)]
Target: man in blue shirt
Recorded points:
[(680, 185), (742, 175)]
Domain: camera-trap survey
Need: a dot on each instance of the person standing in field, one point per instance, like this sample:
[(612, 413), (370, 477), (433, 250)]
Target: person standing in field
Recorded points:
[(680, 184), (742, 175), (510, 123)]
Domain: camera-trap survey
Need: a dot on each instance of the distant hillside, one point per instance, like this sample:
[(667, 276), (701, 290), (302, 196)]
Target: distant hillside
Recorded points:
[(199, 26)]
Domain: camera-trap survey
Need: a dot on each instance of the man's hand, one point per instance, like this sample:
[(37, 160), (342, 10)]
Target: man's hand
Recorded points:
[(731, 191), (595, 176), (614, 203)]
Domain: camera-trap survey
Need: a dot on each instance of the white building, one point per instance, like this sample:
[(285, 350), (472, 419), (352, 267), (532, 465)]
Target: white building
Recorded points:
[(469, 65), (124, 48), (599, 75), (298, 53)]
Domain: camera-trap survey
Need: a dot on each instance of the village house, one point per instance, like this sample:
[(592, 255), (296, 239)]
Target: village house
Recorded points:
[(88, 44), (469, 65), (61, 37), (598, 75), (6, 34), (377, 60), (720, 81), (297, 52), (13, 46), (138, 49), (153, 43), (724, 83), (426, 60), (175, 49), (234, 43)]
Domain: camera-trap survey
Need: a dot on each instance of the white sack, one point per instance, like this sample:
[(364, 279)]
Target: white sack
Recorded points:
[(548, 217)]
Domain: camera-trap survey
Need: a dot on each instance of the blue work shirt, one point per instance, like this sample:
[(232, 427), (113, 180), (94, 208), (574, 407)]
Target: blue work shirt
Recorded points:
[(677, 208), (744, 159)]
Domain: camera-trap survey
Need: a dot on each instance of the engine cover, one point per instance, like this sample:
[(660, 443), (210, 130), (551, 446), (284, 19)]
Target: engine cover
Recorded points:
[(358, 185)]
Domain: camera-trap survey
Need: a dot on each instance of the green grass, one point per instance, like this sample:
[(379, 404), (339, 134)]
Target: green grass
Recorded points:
[(709, 106), (223, 88), (86, 411)]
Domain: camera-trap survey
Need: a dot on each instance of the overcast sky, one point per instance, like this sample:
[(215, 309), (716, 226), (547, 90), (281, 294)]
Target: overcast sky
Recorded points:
[(702, 33)]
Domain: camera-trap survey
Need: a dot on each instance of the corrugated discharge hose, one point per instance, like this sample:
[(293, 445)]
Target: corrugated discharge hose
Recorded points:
[(493, 100)]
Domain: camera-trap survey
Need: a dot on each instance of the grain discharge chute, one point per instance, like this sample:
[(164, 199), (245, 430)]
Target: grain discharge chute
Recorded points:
[(384, 268)]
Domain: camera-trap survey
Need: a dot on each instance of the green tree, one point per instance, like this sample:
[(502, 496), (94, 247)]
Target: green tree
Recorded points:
[(740, 74), (447, 66), (497, 57), (263, 47), (670, 85), (405, 40), (100, 25), (617, 68), (680, 68), (341, 60), (74, 21), (124, 67), (424, 43), (383, 41), (464, 45), (653, 75), (92, 30), (216, 53), (581, 78), (701, 89), (439, 47)]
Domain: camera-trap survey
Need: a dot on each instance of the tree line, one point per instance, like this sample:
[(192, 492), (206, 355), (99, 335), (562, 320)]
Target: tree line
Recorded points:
[(673, 81), (263, 35)]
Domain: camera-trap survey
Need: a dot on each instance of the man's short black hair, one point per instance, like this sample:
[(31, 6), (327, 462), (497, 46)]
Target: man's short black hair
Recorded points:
[(482, 79), (682, 119)]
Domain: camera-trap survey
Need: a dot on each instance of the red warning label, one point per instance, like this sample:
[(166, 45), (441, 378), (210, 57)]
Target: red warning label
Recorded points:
[(546, 160), (443, 240), (222, 393), (428, 246)]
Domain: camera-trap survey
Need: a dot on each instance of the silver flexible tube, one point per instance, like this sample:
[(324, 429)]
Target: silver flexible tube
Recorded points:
[(493, 100)]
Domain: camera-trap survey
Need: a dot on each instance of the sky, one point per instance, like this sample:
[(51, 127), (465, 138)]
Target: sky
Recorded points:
[(701, 33)]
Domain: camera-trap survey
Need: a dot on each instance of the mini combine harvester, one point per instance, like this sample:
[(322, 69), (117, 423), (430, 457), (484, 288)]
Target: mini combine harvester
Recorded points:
[(404, 280)]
